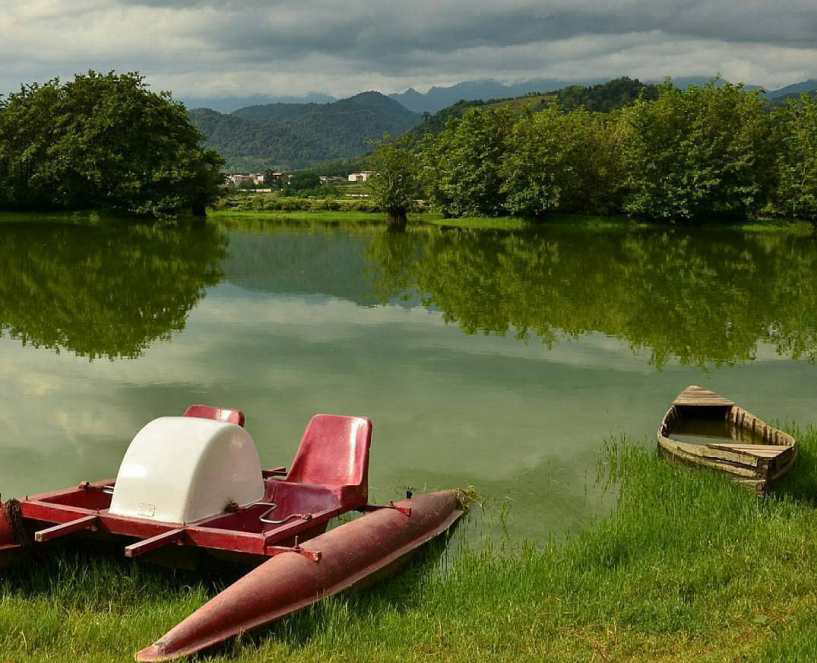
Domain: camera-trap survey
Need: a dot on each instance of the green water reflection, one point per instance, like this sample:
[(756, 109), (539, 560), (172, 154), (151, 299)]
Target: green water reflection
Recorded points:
[(489, 359), (707, 298), (102, 291)]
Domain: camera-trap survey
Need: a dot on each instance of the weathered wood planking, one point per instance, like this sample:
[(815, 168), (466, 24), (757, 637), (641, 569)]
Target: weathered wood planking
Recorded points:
[(761, 450), (698, 396), (751, 465)]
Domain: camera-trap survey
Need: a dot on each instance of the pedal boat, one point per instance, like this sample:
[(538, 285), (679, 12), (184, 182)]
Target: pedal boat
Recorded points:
[(704, 428), (196, 481)]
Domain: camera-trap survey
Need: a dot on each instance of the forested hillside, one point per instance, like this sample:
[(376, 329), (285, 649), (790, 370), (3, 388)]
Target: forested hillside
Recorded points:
[(709, 152), (793, 91), (602, 97), (438, 98), (290, 136), (300, 135)]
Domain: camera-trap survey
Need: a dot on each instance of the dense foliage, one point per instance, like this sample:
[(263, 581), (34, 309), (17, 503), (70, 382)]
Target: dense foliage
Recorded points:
[(796, 192), (461, 166), (713, 151), (394, 186), (286, 136), (560, 161), (697, 153), (607, 96), (102, 141)]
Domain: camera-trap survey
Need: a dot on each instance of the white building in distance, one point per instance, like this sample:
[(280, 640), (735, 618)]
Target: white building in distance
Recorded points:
[(253, 179), (360, 177)]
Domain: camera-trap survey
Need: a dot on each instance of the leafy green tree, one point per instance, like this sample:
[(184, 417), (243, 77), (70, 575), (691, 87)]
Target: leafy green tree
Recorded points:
[(607, 96), (699, 153), (561, 161), (461, 169), (103, 141), (796, 191), (394, 186), (301, 182)]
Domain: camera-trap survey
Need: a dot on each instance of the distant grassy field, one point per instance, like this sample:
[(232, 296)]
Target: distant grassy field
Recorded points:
[(687, 567)]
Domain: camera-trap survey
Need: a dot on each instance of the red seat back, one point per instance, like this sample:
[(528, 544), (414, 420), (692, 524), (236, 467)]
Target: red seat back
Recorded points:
[(334, 453), (217, 413)]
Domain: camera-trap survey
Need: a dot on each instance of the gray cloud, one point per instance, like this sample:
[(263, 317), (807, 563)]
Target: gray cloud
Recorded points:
[(207, 47)]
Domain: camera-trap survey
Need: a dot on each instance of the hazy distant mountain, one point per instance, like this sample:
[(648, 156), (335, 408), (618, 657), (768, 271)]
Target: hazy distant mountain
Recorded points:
[(438, 98), (229, 104), (795, 90), (297, 135)]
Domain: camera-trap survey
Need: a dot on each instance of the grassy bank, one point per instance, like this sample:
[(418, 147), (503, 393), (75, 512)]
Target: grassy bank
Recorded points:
[(344, 217), (364, 218), (369, 218), (688, 567)]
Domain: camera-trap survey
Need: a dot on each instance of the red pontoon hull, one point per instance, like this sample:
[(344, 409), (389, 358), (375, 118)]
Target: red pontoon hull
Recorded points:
[(291, 581), (9, 543), (328, 478)]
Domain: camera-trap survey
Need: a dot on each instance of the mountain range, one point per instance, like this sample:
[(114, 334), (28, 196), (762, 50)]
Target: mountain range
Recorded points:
[(295, 132), (230, 104), (293, 135), (806, 87), (438, 98)]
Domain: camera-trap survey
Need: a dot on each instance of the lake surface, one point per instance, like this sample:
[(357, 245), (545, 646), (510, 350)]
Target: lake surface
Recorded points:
[(496, 360)]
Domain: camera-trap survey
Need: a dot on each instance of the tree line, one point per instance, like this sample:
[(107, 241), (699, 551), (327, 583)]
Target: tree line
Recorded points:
[(103, 141), (716, 151)]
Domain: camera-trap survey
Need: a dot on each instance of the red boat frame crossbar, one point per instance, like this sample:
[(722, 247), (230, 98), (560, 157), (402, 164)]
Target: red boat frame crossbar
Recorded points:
[(69, 519)]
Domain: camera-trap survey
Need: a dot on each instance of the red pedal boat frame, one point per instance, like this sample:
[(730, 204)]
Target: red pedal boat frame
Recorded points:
[(328, 477)]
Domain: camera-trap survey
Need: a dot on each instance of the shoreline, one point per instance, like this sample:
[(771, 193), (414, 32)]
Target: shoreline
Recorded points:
[(688, 566), (792, 226), (419, 220)]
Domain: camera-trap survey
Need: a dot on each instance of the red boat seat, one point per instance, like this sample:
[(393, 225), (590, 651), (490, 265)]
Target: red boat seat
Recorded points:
[(217, 413), (334, 454)]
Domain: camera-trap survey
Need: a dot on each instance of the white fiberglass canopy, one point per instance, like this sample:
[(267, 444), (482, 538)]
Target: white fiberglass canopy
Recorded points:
[(183, 469)]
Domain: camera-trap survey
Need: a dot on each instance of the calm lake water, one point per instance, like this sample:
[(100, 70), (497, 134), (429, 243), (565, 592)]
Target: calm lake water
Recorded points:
[(496, 360)]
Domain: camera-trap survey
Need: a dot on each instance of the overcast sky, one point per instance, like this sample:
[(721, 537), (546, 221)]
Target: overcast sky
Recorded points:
[(207, 48)]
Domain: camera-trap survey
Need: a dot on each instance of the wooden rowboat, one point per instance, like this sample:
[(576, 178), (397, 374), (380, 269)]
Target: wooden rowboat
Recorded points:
[(706, 429)]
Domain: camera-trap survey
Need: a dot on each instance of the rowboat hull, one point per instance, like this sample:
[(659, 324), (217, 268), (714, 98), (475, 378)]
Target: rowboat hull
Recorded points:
[(752, 452), (291, 581)]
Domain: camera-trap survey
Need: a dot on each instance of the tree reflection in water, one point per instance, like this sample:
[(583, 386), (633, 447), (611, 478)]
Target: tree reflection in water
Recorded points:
[(701, 297), (105, 290)]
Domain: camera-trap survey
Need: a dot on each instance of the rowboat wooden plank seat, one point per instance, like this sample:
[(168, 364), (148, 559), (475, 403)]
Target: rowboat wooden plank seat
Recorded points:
[(195, 482), (704, 428)]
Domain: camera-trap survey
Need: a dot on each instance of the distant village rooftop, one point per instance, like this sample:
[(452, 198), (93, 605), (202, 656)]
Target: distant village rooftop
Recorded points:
[(362, 176)]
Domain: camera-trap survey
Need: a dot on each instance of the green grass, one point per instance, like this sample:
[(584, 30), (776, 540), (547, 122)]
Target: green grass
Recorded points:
[(580, 222), (688, 567), (371, 218), (349, 217)]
